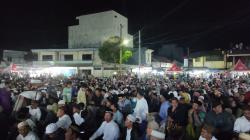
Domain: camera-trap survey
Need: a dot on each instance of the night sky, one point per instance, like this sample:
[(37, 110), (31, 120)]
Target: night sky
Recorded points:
[(197, 24)]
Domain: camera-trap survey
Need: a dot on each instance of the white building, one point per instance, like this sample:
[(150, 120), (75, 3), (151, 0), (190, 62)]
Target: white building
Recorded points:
[(94, 29), (16, 57), (83, 42)]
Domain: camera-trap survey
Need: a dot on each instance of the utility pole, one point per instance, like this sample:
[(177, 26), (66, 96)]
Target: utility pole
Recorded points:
[(188, 55), (139, 59), (120, 70)]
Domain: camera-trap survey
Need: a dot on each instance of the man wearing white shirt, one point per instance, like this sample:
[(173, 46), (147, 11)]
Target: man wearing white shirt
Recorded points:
[(34, 111), (141, 108), (77, 115), (64, 120), (242, 124), (109, 129)]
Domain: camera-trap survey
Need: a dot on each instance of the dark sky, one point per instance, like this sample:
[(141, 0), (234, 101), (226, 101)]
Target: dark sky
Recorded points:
[(198, 24)]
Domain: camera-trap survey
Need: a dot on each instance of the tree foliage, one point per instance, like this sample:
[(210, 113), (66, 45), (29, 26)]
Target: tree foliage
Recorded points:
[(110, 50)]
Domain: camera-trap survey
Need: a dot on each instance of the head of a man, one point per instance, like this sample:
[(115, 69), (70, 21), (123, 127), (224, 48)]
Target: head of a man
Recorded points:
[(247, 112), (61, 111), (174, 102), (114, 107), (34, 104), (23, 128), (98, 92), (108, 116), (196, 105), (217, 107), (76, 108), (129, 121), (206, 132)]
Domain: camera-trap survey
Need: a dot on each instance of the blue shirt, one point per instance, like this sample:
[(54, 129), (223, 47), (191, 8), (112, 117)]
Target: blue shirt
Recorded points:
[(164, 110)]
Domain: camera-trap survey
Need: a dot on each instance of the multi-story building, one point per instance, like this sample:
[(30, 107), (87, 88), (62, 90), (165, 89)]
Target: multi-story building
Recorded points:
[(94, 29), (11, 56), (83, 43), (84, 60)]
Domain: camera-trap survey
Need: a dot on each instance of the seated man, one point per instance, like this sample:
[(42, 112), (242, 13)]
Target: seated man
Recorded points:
[(34, 111), (25, 132), (64, 120), (109, 129)]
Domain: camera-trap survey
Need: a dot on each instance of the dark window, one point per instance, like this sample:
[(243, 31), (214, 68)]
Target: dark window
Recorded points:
[(9, 59), (86, 72), (68, 57), (97, 68), (47, 57), (214, 58), (35, 57), (198, 59), (86, 57)]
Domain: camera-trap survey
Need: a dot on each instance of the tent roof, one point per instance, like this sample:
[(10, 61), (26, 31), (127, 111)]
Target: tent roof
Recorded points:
[(174, 68), (240, 66)]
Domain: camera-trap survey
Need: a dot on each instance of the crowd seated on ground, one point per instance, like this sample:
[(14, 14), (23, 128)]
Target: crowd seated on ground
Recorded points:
[(124, 108)]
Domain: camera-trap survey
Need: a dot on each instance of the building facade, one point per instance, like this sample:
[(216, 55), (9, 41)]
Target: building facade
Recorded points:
[(16, 57), (94, 29), (83, 43), (211, 60)]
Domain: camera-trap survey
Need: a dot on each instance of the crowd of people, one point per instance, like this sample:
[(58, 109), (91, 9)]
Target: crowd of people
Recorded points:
[(125, 108)]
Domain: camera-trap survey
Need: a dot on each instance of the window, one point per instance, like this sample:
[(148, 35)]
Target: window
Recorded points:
[(47, 58), (86, 72), (35, 57), (86, 57), (68, 57), (198, 59), (9, 59), (214, 58)]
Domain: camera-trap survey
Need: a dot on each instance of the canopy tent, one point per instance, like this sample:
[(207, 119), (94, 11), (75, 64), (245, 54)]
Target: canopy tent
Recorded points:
[(240, 66), (174, 68)]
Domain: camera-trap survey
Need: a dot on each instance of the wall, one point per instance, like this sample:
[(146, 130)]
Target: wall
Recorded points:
[(211, 64), (16, 56), (93, 29)]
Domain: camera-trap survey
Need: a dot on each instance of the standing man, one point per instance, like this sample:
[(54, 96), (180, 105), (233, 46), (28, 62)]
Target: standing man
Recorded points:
[(164, 107), (141, 111), (67, 92), (81, 95), (109, 129)]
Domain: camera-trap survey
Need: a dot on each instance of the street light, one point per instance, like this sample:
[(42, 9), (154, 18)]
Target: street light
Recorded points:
[(125, 42)]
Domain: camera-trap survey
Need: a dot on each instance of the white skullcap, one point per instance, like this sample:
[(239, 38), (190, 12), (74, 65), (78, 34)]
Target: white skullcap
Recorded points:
[(158, 135), (131, 118), (34, 81), (51, 128), (61, 102), (22, 124), (125, 90), (201, 97)]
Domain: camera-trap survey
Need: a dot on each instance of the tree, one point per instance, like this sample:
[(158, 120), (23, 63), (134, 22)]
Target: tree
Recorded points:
[(110, 50)]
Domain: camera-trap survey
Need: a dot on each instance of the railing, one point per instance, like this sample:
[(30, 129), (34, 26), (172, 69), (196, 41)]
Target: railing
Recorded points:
[(62, 62)]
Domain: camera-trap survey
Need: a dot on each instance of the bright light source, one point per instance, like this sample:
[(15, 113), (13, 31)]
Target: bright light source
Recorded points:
[(154, 71), (143, 70), (125, 42), (115, 73)]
